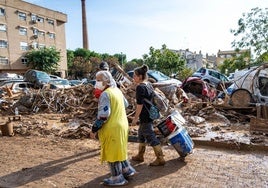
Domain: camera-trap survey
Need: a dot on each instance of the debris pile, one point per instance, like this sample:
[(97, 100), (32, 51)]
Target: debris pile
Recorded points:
[(70, 113)]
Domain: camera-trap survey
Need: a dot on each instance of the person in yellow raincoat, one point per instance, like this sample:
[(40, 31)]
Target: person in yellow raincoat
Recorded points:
[(112, 128)]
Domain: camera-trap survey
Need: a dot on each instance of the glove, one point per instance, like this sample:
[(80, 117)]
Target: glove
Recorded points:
[(97, 125)]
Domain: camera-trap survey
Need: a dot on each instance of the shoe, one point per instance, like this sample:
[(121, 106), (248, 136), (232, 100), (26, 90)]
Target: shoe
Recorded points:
[(115, 181), (130, 172)]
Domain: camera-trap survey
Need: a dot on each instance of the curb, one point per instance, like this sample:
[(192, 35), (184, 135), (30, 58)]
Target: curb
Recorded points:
[(223, 145), (231, 145)]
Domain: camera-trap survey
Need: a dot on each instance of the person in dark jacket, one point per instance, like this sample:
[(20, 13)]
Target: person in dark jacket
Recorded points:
[(146, 132)]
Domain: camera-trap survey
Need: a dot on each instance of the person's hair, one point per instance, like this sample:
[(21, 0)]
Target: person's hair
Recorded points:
[(104, 66), (107, 77), (142, 71)]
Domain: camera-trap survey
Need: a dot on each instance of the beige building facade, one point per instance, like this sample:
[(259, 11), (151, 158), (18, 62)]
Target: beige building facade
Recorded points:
[(228, 54), (25, 26)]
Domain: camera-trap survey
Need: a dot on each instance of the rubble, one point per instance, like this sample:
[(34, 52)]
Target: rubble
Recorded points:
[(70, 113)]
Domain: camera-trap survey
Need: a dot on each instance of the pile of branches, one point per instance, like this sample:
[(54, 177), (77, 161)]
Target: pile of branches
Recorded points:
[(56, 101)]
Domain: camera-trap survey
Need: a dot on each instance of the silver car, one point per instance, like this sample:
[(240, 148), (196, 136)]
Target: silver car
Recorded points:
[(210, 76)]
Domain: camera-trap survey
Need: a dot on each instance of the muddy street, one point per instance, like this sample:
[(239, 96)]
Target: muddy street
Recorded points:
[(56, 162)]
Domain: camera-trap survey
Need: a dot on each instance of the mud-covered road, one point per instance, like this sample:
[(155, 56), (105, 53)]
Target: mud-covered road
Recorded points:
[(47, 161)]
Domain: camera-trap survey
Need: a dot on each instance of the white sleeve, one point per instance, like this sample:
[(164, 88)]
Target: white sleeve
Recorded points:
[(104, 106)]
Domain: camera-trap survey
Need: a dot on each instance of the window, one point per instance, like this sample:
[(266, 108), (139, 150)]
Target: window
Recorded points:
[(24, 60), (2, 11), (52, 35), (3, 60), (223, 78), (23, 46), (40, 19), (50, 22), (34, 45), (22, 16), (41, 33), (3, 44), (3, 27), (41, 46), (22, 30)]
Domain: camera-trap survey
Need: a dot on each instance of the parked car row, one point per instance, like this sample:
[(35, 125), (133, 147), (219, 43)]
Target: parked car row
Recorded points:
[(33, 79), (203, 83)]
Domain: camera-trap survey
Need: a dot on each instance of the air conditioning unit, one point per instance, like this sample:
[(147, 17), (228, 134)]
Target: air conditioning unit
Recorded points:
[(33, 18)]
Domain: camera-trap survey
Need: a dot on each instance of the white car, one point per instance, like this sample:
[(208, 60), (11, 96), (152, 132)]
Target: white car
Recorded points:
[(250, 86), (159, 77), (16, 86)]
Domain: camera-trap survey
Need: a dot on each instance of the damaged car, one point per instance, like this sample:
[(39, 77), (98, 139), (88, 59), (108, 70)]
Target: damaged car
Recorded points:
[(251, 85), (199, 88)]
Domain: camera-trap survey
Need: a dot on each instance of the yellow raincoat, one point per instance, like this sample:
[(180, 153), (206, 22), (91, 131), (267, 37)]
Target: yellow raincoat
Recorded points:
[(113, 135)]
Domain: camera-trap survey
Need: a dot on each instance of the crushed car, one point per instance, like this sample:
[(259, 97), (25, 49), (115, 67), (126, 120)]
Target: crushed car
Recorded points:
[(199, 88), (250, 86)]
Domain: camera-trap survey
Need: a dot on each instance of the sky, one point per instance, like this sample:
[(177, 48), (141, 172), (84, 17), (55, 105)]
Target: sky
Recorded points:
[(131, 27)]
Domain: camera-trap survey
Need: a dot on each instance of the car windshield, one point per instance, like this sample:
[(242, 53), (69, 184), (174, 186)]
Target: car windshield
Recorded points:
[(201, 70), (158, 76), (42, 75)]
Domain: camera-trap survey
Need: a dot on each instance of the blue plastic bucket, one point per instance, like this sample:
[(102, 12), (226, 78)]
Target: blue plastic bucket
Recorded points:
[(181, 141)]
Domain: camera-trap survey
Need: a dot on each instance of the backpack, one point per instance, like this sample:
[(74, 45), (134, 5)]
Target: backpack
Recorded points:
[(159, 99)]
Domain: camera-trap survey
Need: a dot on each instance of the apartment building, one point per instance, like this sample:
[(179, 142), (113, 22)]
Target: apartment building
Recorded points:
[(25, 26), (228, 54), (194, 60)]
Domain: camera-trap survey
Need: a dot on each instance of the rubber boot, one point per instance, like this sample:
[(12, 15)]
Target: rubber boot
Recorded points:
[(159, 161), (139, 157)]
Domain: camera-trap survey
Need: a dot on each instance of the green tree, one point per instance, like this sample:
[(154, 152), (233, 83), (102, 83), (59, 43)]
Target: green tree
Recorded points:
[(44, 59), (263, 57), (164, 60), (80, 68), (82, 62), (70, 58), (129, 66), (184, 73), (139, 62), (122, 58), (134, 63), (252, 31)]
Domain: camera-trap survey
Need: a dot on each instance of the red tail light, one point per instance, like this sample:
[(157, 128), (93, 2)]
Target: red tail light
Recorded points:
[(204, 92)]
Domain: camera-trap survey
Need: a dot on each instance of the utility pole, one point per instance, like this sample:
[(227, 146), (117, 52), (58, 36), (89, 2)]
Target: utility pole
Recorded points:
[(84, 25), (122, 59)]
